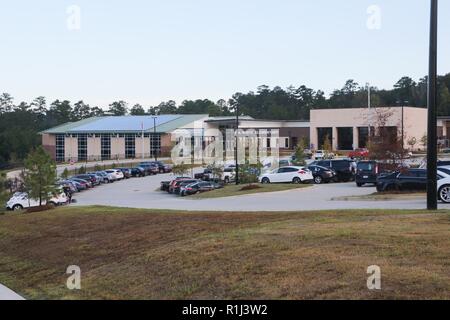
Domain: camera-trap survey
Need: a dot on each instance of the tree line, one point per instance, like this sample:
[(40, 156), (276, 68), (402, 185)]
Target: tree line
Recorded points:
[(21, 122)]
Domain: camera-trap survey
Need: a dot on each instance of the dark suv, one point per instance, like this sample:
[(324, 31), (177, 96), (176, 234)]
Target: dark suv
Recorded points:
[(345, 169), (366, 172), (407, 180)]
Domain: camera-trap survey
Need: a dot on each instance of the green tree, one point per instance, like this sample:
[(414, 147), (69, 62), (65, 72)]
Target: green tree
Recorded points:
[(40, 175), (216, 171), (65, 174), (118, 108), (181, 170), (327, 144), (81, 111), (137, 110), (300, 156)]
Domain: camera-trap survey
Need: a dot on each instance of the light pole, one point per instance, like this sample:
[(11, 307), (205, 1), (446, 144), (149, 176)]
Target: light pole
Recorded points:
[(236, 157), (432, 120), (369, 105), (154, 138)]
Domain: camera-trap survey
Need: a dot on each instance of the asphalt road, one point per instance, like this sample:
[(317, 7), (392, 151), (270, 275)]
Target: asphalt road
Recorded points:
[(143, 193)]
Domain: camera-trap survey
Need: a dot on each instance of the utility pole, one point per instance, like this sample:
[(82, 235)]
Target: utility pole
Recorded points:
[(236, 146), (154, 139), (369, 104), (432, 120)]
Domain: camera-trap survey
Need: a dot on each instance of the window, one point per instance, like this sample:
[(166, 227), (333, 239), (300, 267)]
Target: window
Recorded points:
[(130, 146), (82, 147), (106, 146), (60, 147), (286, 143), (155, 144)]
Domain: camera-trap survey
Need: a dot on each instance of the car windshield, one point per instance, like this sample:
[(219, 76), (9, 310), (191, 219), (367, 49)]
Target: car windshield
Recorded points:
[(366, 166)]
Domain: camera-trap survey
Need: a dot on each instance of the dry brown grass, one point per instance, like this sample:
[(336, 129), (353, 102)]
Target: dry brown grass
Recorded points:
[(143, 254)]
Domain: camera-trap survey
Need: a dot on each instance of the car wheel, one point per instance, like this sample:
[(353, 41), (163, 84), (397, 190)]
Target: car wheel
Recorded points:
[(359, 185), (52, 204), (318, 179), (227, 180), (265, 181), (297, 180), (17, 207), (444, 194)]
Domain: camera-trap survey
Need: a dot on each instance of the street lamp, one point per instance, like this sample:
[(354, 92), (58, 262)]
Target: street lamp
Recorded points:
[(154, 138), (432, 120)]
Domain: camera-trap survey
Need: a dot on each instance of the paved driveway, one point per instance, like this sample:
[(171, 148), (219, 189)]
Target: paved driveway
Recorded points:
[(142, 193)]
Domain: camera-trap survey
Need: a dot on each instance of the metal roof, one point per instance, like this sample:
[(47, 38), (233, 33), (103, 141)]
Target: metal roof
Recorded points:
[(131, 124)]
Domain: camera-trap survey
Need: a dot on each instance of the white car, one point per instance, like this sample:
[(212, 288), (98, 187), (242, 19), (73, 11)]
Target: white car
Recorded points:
[(322, 154), (20, 200), (288, 174), (116, 173), (444, 189)]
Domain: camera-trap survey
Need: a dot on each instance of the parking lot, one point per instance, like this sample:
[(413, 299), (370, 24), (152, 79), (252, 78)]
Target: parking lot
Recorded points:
[(144, 193)]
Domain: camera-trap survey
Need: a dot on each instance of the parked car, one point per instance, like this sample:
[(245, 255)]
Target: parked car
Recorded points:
[(176, 188), (21, 200), (87, 184), (165, 185), (407, 180), (197, 187), (89, 177), (137, 172), (322, 154), (126, 172), (68, 184), (366, 173), (174, 182), (288, 175), (150, 168), (101, 178), (107, 177), (362, 153), (164, 167), (78, 185), (322, 174), (444, 189), (285, 163), (206, 175), (117, 174), (345, 169), (229, 174)]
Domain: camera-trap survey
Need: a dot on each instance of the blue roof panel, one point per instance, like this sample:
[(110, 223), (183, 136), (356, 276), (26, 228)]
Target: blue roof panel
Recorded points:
[(128, 123)]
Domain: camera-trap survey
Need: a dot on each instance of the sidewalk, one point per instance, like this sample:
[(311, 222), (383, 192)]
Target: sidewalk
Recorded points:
[(7, 294)]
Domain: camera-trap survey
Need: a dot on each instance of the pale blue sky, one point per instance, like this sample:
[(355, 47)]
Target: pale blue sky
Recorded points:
[(150, 51)]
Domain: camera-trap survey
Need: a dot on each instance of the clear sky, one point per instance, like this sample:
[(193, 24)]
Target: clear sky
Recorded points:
[(150, 51)]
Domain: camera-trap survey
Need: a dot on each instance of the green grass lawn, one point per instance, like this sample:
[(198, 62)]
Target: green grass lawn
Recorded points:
[(232, 190), (152, 254)]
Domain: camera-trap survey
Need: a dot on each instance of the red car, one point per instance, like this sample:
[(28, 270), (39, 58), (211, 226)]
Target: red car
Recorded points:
[(359, 154)]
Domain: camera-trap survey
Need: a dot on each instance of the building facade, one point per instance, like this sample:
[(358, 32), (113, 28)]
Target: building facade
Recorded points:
[(349, 129), (136, 137)]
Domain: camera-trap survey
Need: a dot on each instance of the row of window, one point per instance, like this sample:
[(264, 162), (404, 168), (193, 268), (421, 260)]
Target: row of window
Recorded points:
[(130, 145)]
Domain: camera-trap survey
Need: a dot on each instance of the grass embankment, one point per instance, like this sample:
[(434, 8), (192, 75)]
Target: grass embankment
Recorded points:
[(384, 196), (144, 254), (232, 190)]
